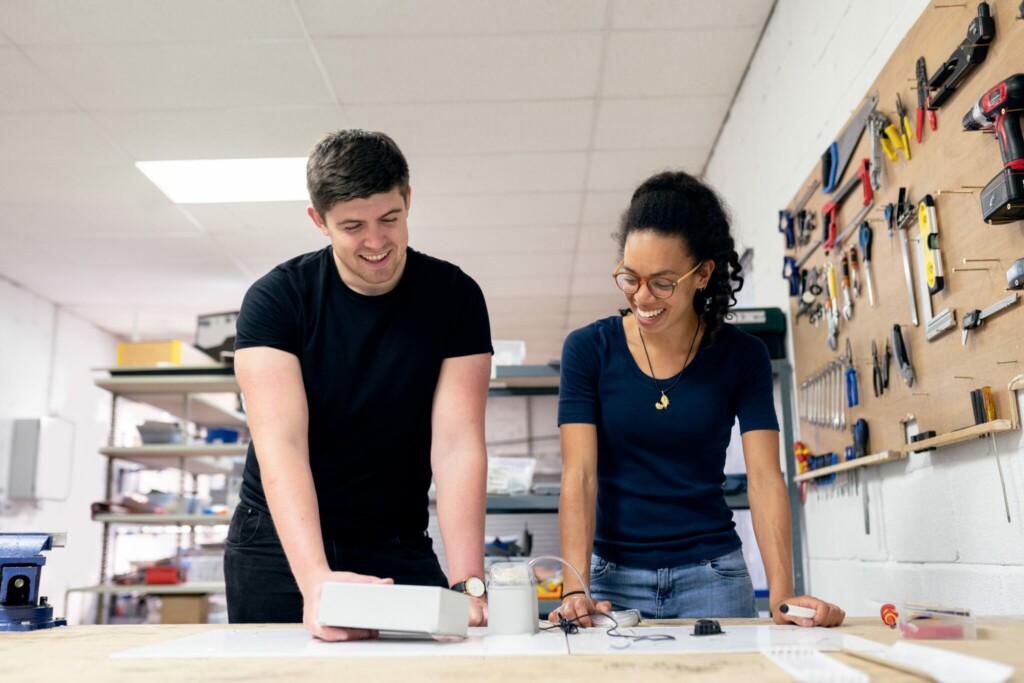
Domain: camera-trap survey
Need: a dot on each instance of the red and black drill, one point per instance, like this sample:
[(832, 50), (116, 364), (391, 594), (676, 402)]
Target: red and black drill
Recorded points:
[(1002, 199)]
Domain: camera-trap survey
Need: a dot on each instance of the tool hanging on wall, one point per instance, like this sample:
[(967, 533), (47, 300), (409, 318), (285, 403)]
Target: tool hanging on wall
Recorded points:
[(864, 239), (887, 364), (861, 448), (975, 318), (900, 139), (804, 227), (791, 274), (876, 371), (838, 154), (899, 218), (1015, 275), (923, 101), (854, 272), (830, 210), (1002, 198), (852, 397), (930, 271), (832, 306), (902, 354), (786, 228), (847, 299), (971, 52)]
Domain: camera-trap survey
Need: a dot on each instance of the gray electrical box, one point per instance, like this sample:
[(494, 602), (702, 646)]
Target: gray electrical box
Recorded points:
[(35, 458)]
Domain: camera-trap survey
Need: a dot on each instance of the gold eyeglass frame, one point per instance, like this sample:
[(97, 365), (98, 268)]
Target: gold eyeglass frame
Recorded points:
[(646, 280)]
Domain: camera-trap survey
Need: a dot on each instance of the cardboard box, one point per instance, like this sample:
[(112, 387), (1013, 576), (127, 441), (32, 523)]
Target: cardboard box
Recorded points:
[(173, 352), (184, 609)]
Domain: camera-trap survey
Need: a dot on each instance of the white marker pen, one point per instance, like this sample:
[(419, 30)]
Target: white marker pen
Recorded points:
[(796, 611)]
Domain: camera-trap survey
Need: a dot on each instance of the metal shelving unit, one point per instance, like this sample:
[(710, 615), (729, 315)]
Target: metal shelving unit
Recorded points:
[(203, 396)]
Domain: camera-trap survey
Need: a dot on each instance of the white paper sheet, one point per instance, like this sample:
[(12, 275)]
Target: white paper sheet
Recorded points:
[(944, 666), (734, 639), (296, 642)]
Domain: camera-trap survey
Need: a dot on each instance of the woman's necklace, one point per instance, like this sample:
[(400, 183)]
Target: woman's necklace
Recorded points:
[(663, 401)]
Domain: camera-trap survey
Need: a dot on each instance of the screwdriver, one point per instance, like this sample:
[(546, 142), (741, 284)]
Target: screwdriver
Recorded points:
[(864, 238)]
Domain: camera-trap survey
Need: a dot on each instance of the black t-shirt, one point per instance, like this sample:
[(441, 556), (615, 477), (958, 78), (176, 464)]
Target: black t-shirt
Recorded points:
[(370, 365)]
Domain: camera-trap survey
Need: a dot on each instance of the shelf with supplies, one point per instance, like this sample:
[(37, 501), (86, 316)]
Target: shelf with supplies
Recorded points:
[(194, 459), (157, 519), (525, 380), (940, 441), (210, 390), (200, 398)]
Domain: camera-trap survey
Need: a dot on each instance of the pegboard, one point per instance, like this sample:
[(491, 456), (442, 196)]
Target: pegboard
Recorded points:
[(943, 165)]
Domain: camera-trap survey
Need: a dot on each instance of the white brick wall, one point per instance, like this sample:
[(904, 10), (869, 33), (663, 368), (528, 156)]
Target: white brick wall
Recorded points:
[(938, 526)]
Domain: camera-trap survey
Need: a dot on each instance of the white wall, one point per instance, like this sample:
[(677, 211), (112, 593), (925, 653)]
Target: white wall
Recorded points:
[(938, 528), (45, 357)]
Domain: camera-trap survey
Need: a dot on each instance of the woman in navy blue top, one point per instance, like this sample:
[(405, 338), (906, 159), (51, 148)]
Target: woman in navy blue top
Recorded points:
[(647, 402)]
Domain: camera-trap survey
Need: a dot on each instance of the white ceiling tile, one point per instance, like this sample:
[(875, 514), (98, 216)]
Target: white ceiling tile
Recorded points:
[(497, 265), (220, 133), (625, 170), (519, 306), (24, 86), (498, 173), (151, 322), (446, 243), (485, 211), (184, 76), (605, 208), (469, 128), (59, 218), (449, 17), (666, 14), (58, 22), (105, 251), (592, 285), (611, 300), (279, 217), (43, 182), (598, 238), (462, 69), (660, 123), (62, 136), (677, 63), (600, 262), (553, 285), (280, 246)]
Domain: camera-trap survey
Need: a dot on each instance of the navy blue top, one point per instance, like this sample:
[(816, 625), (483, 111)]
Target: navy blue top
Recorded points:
[(660, 472)]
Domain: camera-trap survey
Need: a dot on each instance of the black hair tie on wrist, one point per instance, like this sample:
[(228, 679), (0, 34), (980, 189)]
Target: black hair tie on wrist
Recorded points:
[(571, 593)]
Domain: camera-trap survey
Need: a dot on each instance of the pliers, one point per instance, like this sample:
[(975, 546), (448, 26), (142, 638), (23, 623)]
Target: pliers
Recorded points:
[(923, 100), (876, 370)]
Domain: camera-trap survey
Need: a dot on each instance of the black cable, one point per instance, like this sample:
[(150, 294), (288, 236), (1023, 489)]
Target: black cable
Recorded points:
[(569, 626)]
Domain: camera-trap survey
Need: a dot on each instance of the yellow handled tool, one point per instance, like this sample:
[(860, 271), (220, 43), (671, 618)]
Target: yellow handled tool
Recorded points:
[(926, 218)]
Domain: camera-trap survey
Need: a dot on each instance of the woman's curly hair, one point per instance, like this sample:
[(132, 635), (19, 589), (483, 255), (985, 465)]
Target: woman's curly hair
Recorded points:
[(676, 204)]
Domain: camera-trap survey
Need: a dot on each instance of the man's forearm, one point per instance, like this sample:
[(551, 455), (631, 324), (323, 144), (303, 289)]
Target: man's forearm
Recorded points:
[(291, 496), (769, 507), (461, 506)]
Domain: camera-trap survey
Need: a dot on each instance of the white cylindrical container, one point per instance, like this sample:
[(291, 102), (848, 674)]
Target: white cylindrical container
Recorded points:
[(512, 607)]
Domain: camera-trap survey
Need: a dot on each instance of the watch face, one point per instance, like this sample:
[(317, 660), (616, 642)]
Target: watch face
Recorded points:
[(475, 587)]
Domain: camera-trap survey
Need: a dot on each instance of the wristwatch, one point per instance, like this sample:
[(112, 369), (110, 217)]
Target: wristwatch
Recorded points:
[(473, 587)]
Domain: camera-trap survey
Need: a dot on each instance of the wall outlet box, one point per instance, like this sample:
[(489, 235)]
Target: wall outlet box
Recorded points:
[(385, 607), (35, 458)]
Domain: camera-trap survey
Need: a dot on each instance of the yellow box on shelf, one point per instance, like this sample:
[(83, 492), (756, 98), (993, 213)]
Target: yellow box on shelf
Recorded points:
[(171, 352)]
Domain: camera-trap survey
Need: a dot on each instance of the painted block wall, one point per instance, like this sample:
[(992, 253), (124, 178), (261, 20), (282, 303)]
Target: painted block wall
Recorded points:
[(45, 357), (938, 526)]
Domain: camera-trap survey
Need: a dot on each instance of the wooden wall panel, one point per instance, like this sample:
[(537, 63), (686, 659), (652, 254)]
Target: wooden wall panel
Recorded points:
[(948, 159)]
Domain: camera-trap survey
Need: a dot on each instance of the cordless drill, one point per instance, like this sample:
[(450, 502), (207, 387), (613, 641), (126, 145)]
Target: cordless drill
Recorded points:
[(1002, 200)]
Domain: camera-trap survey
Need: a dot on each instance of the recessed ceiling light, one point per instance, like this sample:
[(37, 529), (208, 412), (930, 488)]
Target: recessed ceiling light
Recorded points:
[(222, 181)]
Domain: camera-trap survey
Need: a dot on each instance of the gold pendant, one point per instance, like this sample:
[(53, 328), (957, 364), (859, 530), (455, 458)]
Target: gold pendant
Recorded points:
[(662, 403)]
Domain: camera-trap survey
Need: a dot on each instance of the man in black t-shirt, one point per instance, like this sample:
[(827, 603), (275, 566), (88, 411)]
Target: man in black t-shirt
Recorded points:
[(365, 369)]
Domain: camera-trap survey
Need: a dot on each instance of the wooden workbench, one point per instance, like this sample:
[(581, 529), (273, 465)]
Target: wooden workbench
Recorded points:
[(82, 653)]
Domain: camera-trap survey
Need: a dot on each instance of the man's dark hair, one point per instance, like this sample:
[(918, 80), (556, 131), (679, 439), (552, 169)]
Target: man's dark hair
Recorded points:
[(675, 204), (354, 164)]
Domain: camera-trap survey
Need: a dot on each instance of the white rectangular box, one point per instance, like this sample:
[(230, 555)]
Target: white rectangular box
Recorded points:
[(384, 607)]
